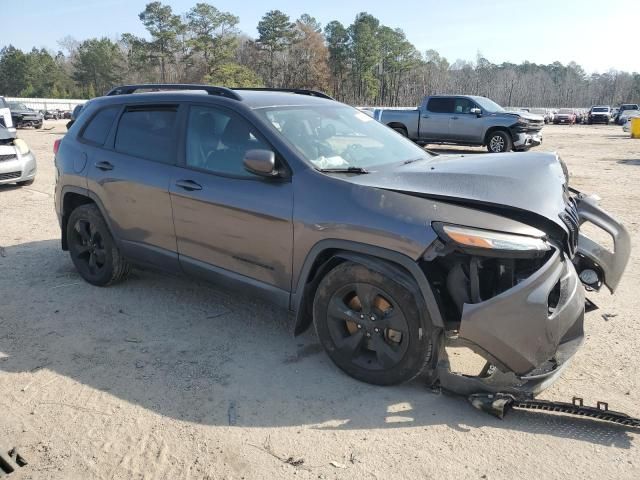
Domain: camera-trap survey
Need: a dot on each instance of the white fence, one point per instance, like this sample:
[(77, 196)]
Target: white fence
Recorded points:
[(47, 103)]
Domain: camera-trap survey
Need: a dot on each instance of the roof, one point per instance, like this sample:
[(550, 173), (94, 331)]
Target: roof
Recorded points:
[(252, 98)]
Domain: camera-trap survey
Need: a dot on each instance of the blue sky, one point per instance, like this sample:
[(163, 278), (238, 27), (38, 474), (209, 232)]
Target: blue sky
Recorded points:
[(590, 32)]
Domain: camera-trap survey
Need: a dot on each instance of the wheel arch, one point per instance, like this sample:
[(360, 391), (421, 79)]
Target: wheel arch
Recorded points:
[(327, 254), (72, 198), (398, 125), (494, 129)]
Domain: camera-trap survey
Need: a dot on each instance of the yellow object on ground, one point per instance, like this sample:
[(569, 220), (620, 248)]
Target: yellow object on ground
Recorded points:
[(635, 127)]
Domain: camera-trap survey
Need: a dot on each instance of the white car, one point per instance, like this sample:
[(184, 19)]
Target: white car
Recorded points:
[(17, 162)]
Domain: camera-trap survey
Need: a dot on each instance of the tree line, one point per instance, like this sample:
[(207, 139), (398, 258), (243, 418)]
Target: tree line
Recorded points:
[(364, 63)]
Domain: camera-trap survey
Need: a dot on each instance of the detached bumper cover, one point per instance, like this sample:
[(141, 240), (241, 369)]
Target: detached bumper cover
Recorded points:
[(529, 341), (516, 327), (613, 263)]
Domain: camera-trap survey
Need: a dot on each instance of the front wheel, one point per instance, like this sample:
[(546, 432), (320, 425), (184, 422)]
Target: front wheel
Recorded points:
[(92, 248), (401, 131), (371, 326), (499, 142)]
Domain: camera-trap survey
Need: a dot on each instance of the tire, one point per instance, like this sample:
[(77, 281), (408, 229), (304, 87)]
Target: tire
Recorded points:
[(38, 126), (26, 183), (373, 352), (92, 248), (499, 142), (401, 131)]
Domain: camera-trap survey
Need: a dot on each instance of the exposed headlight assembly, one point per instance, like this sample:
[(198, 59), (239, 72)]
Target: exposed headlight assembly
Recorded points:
[(523, 121), (491, 243), (21, 146)]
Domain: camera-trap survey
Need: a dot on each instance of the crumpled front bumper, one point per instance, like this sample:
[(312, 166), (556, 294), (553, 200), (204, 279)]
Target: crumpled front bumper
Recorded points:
[(527, 341), (527, 140)]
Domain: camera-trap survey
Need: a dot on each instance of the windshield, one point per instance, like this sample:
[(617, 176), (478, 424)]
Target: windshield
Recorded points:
[(17, 106), (600, 109), (538, 111), (565, 111), (340, 137), (488, 105), (630, 106)]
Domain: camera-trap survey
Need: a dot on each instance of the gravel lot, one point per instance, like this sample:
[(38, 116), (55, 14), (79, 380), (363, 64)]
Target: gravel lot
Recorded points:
[(163, 377)]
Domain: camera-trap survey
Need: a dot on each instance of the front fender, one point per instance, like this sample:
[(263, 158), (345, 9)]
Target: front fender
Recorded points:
[(387, 262)]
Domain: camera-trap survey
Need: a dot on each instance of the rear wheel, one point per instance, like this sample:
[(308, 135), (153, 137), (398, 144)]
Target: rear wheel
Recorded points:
[(371, 326), (499, 142), (92, 248), (401, 131)]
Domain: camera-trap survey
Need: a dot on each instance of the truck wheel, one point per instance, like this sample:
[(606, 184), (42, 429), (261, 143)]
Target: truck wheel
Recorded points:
[(401, 131), (499, 142), (370, 326), (92, 248)]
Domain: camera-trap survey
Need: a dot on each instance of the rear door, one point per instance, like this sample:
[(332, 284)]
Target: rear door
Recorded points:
[(131, 179), (435, 119), (229, 221), (465, 127)]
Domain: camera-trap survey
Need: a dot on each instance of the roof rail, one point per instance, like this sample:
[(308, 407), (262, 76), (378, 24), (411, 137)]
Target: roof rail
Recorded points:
[(299, 91), (210, 89)]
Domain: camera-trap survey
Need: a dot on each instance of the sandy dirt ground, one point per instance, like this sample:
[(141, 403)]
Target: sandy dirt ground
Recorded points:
[(163, 377)]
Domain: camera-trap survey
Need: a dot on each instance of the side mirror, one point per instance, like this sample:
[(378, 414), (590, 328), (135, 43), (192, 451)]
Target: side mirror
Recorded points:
[(260, 162), (476, 111)]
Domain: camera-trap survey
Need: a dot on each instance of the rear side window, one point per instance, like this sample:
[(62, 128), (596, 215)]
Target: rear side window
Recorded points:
[(148, 132), (3, 104), (440, 105), (99, 126)]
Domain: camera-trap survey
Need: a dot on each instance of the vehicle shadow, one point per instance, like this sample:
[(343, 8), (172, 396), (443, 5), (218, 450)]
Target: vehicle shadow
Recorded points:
[(197, 353), (629, 162)]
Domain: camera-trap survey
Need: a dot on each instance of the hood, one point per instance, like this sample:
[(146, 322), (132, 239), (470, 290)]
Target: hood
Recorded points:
[(526, 182), (526, 115)]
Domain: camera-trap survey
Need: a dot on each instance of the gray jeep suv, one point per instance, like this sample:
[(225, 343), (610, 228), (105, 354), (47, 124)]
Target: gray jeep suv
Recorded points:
[(392, 253)]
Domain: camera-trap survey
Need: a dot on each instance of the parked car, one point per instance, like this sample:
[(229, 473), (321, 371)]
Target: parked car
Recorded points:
[(599, 114), (24, 116), (544, 113), (5, 116), (626, 125), (74, 114), (624, 107), (17, 162), (389, 250), (565, 115), (465, 120), (624, 116)]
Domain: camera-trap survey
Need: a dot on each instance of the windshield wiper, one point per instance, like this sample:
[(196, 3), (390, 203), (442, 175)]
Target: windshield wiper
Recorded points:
[(344, 170)]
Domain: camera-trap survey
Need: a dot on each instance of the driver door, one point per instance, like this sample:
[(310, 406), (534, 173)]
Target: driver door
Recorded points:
[(228, 221)]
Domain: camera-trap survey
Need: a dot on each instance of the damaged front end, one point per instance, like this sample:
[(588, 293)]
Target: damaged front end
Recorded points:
[(518, 302)]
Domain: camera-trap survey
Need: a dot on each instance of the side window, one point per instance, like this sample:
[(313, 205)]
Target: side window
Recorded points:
[(217, 141), (148, 132), (463, 105), (99, 126), (440, 105)]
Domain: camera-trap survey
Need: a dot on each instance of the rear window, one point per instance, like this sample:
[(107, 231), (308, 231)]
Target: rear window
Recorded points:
[(148, 132), (99, 126), (440, 105)]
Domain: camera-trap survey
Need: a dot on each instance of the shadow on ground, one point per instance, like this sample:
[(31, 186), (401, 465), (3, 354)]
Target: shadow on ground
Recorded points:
[(193, 352), (629, 162)]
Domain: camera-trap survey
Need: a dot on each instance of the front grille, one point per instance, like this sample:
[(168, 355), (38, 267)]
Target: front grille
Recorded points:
[(11, 156), (571, 219), (10, 175)]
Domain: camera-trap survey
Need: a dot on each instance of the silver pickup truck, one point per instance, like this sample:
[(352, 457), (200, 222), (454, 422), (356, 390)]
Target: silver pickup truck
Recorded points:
[(465, 120)]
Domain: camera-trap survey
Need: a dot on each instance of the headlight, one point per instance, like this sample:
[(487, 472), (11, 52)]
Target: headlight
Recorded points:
[(488, 242), (21, 146), (523, 121)]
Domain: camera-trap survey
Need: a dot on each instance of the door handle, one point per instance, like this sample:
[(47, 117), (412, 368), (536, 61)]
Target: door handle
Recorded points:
[(454, 118), (188, 185), (104, 166), (425, 116)]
